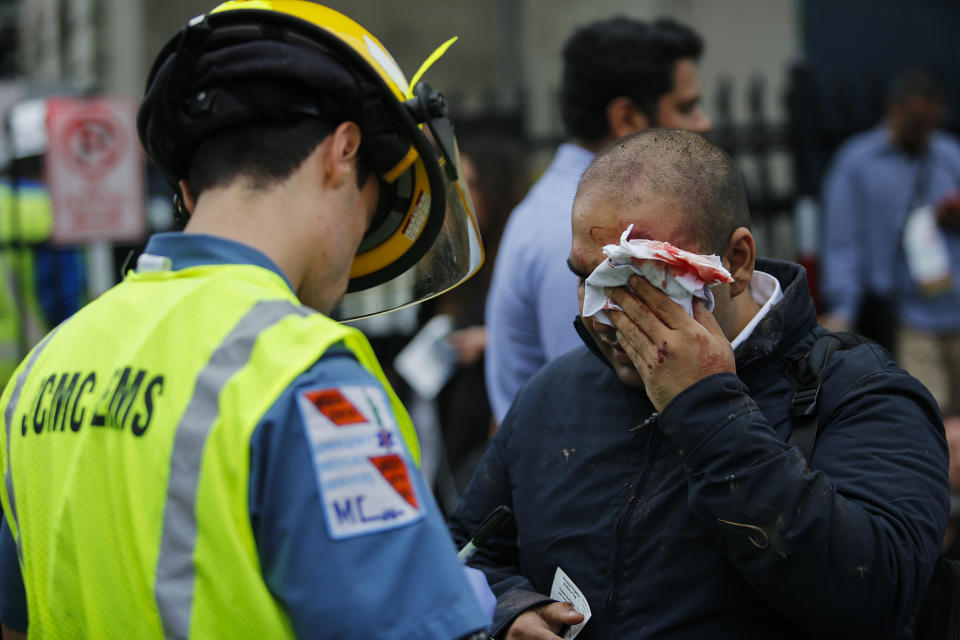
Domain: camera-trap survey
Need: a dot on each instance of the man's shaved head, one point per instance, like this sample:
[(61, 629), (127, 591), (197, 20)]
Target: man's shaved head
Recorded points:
[(679, 165)]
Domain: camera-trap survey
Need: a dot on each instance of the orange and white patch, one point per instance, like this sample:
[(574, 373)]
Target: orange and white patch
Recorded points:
[(363, 471), (335, 406)]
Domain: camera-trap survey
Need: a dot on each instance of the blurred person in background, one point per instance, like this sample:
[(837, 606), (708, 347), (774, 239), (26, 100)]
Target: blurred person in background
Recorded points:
[(891, 247), (42, 285), (496, 172), (25, 221), (619, 76)]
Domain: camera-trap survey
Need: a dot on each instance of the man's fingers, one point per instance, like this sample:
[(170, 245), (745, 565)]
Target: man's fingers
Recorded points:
[(637, 311), (627, 325), (561, 613), (632, 339), (638, 356), (632, 303), (626, 299), (542, 623), (519, 631), (668, 311)]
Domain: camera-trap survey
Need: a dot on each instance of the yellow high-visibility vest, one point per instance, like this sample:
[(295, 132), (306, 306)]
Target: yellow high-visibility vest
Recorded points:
[(126, 453)]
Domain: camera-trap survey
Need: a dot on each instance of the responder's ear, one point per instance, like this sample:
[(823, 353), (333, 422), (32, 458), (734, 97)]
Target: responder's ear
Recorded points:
[(739, 259), (342, 148), (624, 117), (187, 195)]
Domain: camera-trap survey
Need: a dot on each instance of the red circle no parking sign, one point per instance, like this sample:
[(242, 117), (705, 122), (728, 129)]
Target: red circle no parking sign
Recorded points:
[(95, 170)]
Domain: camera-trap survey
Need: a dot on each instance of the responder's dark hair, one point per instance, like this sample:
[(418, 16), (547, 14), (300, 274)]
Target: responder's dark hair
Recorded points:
[(264, 154), (620, 57), (679, 164), (914, 82)]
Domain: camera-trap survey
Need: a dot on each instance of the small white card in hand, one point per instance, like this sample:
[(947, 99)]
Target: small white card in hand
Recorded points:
[(428, 361), (564, 590)]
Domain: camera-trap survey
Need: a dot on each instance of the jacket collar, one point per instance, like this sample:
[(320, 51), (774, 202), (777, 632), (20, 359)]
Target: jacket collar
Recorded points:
[(788, 321)]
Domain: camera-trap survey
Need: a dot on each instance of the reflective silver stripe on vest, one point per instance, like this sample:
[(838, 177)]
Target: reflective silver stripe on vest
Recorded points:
[(176, 573), (8, 418)]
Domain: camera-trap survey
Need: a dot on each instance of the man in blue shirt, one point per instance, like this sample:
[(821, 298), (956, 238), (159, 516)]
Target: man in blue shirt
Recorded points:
[(879, 179), (619, 76)]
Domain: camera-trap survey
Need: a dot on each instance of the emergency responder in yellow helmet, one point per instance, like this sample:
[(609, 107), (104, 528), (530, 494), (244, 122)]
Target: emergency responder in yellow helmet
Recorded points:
[(202, 451)]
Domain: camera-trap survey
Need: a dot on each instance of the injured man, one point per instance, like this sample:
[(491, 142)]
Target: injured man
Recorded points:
[(654, 488)]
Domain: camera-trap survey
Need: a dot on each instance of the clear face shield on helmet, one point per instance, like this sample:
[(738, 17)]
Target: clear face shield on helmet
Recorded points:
[(439, 196)]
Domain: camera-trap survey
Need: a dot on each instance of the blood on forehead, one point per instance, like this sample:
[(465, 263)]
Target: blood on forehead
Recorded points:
[(587, 252), (599, 221), (603, 235)]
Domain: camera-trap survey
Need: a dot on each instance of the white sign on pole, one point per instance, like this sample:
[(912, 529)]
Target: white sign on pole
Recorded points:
[(95, 170)]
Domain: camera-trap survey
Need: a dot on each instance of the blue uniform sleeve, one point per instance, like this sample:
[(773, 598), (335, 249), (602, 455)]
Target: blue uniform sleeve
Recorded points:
[(343, 554), (13, 596)]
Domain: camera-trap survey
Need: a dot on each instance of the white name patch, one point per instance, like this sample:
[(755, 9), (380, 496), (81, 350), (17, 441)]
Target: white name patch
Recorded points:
[(365, 480)]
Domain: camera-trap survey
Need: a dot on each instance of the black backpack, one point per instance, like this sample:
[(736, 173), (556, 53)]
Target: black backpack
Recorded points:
[(938, 616)]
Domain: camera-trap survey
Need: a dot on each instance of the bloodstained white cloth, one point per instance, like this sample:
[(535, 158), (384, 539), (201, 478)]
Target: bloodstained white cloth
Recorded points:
[(680, 274)]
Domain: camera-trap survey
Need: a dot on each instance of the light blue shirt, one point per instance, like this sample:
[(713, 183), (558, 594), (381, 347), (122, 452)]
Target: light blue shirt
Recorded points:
[(532, 301), (866, 196), (397, 582)]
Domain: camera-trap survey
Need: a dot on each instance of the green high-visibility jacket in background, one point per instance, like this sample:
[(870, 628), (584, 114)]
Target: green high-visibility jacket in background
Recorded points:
[(126, 453), (26, 216)]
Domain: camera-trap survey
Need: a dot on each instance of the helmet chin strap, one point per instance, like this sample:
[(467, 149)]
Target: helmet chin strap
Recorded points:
[(181, 214)]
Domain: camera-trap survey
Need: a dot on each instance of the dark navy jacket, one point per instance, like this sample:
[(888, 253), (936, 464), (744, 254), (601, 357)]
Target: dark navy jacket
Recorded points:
[(703, 522)]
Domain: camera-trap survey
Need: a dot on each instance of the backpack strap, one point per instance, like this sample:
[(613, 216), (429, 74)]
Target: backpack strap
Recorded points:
[(805, 374)]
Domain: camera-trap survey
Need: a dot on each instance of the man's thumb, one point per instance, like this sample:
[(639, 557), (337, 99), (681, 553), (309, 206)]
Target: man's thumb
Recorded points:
[(569, 615)]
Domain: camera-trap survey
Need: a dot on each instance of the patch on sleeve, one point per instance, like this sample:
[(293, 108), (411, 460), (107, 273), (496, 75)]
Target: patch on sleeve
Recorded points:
[(335, 406), (362, 469)]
